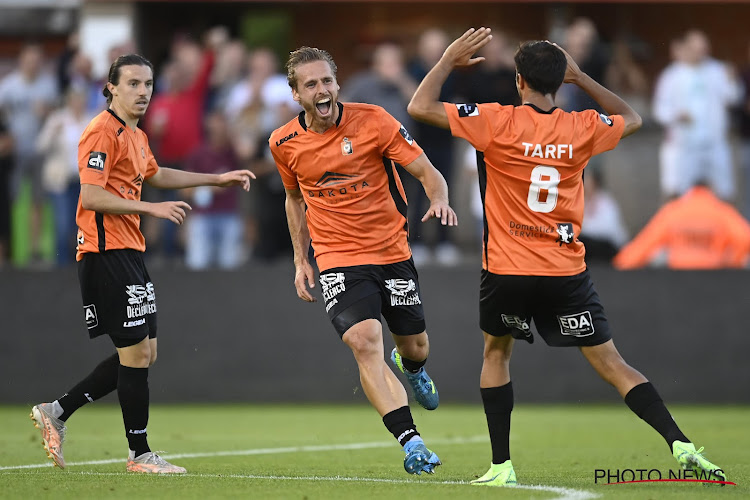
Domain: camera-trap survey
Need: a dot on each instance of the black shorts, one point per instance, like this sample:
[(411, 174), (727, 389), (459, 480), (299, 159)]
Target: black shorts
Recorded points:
[(566, 310), (118, 297), (356, 293)]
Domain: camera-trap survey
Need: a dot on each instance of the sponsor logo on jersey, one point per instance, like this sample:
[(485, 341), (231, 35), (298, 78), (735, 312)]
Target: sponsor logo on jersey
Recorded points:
[(333, 284), (346, 147), (465, 110), (96, 160), (405, 135), (577, 325), (606, 119), (138, 181), (400, 290), (566, 234), (333, 178), (287, 138), (89, 313)]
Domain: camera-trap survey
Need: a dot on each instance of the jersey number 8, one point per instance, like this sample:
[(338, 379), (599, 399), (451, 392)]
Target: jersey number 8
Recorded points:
[(545, 179)]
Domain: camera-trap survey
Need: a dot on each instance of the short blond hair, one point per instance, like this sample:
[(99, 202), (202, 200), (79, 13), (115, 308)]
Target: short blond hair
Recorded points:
[(305, 55)]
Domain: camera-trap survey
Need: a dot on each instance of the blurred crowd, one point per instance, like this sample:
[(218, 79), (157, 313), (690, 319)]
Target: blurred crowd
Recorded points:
[(216, 101)]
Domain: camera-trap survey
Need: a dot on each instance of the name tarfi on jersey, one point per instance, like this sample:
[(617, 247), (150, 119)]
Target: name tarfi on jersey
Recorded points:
[(550, 151)]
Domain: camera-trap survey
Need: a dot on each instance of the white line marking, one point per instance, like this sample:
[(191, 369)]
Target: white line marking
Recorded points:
[(565, 493)]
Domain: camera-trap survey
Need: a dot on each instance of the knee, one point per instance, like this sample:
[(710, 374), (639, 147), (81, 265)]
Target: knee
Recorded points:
[(496, 352), (414, 347), (363, 342)]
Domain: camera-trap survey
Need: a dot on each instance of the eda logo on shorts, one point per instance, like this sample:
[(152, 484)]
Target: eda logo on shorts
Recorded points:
[(576, 325), (89, 313), (96, 160)]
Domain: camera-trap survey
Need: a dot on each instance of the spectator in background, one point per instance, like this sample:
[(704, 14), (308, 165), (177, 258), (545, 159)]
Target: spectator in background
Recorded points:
[(387, 83), (27, 95), (58, 145), (602, 231), (626, 78), (692, 102), (227, 73), (81, 77), (6, 168), (175, 124), (695, 231), (744, 121), (584, 46), (438, 145), (214, 230), (669, 171), (256, 106)]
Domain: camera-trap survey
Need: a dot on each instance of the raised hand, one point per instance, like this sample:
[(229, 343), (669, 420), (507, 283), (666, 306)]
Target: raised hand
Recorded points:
[(460, 52)]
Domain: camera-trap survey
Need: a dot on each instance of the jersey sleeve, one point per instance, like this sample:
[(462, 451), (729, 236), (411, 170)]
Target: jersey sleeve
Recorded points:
[(473, 122), (288, 178), (606, 130), (395, 141), (97, 153)]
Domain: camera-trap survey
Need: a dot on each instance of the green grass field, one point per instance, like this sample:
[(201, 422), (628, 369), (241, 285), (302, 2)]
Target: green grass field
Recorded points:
[(316, 451)]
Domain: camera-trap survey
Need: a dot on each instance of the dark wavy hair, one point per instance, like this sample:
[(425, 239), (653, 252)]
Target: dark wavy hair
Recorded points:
[(114, 70), (542, 65), (305, 55)]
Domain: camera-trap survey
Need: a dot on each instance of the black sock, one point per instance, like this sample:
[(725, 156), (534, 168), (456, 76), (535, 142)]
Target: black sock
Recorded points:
[(97, 384), (132, 390), (400, 424), (412, 366), (648, 405), (498, 405)]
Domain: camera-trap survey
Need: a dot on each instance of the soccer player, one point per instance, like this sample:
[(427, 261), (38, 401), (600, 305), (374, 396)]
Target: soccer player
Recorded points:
[(531, 160), (119, 299), (343, 193)]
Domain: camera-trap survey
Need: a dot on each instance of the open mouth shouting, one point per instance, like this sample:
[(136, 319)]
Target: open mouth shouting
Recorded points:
[(324, 106)]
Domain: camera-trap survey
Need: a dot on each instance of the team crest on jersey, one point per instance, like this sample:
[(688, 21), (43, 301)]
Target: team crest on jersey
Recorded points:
[(346, 147), (405, 135), (96, 160), (606, 119), (566, 234), (465, 110)]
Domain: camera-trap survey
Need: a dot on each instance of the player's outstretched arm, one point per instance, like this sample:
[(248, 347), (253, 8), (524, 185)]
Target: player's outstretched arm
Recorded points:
[(425, 105), (609, 101), (436, 189), (97, 199), (304, 275), (170, 178)]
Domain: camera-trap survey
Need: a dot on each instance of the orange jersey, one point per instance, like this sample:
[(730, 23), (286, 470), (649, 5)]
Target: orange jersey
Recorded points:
[(697, 231), (356, 205), (531, 181), (113, 156)]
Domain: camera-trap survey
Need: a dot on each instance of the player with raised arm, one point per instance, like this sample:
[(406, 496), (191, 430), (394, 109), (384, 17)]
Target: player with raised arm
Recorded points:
[(531, 160), (343, 193), (119, 298)]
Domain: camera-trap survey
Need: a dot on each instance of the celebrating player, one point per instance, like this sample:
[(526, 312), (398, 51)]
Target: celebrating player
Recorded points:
[(531, 160), (338, 164)]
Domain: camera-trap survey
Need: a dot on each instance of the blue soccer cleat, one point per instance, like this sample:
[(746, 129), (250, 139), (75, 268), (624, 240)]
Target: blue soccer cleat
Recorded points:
[(422, 386), (419, 458)]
